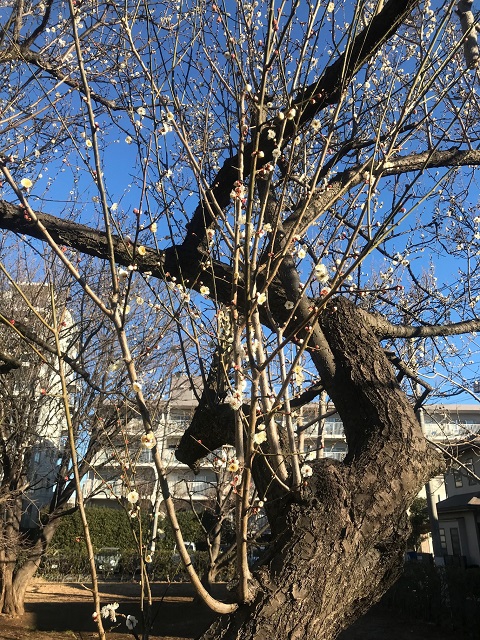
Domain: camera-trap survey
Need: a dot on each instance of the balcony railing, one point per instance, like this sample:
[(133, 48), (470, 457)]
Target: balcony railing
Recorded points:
[(336, 455)]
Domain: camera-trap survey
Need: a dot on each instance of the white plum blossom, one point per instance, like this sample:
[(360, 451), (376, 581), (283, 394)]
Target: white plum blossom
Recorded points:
[(26, 183), (261, 298), (131, 622), (301, 253), (205, 291), (108, 611), (259, 437), (306, 471), (114, 366), (235, 400), (148, 440), (299, 376), (133, 497), (233, 465), (239, 191), (321, 273)]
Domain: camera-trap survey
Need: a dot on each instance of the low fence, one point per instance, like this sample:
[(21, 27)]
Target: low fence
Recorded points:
[(448, 596), (165, 566)]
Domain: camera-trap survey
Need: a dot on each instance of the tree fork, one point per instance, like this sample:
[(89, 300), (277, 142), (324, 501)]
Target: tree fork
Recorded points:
[(346, 529)]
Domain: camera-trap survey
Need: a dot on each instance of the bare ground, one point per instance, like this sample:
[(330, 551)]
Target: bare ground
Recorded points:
[(63, 611)]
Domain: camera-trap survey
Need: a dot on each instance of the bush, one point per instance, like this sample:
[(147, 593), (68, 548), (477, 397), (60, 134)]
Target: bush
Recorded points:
[(190, 527), (108, 528), (67, 557)]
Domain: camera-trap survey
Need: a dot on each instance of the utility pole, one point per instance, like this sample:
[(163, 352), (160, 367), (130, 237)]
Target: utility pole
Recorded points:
[(432, 507), (322, 408)]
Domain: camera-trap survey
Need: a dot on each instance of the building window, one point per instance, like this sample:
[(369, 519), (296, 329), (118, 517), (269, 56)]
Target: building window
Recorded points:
[(455, 540), (469, 465), (457, 476), (181, 419), (146, 456), (334, 427), (443, 540), (200, 484)]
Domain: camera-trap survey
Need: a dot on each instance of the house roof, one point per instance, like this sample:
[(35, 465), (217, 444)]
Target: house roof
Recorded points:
[(460, 502)]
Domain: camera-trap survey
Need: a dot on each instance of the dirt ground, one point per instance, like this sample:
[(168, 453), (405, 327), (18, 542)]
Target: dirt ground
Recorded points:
[(57, 611)]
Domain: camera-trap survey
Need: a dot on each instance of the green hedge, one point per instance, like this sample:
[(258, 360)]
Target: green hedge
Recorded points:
[(165, 566), (113, 528), (67, 557), (108, 528)]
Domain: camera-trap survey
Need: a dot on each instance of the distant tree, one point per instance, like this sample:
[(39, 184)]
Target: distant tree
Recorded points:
[(37, 486)]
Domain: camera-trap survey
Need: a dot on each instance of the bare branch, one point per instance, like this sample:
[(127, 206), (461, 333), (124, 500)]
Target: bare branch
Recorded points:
[(311, 100), (385, 329), (324, 198)]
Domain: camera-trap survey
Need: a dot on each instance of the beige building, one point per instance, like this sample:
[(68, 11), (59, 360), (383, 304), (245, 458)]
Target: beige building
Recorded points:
[(105, 484), (459, 512)]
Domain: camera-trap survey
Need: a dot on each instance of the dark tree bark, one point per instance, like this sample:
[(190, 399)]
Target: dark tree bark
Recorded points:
[(15, 580)]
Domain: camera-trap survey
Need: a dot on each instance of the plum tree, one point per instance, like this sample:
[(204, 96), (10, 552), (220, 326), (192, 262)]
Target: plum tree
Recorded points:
[(298, 180)]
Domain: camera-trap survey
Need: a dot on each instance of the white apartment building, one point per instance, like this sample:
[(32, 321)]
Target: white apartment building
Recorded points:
[(106, 483), (33, 414), (105, 486)]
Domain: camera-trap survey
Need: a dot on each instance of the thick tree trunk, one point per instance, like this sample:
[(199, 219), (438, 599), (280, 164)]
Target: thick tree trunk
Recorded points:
[(15, 581), (339, 544), (15, 587)]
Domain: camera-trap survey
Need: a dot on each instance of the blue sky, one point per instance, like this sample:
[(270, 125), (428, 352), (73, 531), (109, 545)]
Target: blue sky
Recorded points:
[(63, 183)]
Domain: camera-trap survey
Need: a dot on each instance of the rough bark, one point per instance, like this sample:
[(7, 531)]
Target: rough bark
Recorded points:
[(16, 580), (345, 532)]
